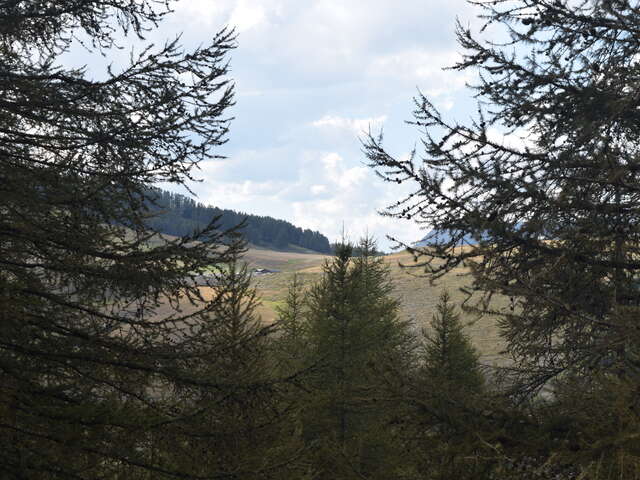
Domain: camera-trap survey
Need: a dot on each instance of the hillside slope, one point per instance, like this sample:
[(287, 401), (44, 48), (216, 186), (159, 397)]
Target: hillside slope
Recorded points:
[(417, 297), (178, 215)]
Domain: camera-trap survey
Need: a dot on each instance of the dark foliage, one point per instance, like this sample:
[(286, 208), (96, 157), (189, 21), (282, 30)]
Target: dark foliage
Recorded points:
[(180, 216), (548, 218), (344, 335), (358, 250), (450, 361), (554, 213), (99, 325)]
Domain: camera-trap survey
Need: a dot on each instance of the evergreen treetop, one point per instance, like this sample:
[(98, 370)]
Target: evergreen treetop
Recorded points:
[(449, 358), (343, 338)]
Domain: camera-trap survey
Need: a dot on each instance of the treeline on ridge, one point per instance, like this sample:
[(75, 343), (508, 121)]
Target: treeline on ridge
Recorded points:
[(180, 215)]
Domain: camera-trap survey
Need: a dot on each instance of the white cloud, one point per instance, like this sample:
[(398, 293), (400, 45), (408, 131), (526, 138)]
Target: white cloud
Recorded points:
[(318, 189), (313, 77), (421, 67), (356, 126), (202, 11), (246, 15), (341, 176), (327, 190)]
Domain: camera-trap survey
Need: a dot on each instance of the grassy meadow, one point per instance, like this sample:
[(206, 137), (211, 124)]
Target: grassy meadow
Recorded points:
[(417, 297)]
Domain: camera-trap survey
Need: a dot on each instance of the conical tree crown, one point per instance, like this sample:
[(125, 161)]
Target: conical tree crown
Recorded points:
[(449, 356)]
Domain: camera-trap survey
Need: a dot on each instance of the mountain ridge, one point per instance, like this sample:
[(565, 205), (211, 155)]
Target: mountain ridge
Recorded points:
[(179, 215)]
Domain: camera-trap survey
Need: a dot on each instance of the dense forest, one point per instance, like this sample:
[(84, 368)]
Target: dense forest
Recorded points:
[(179, 215)]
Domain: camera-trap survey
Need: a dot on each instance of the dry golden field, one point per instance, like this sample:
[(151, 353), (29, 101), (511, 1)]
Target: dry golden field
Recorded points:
[(416, 295)]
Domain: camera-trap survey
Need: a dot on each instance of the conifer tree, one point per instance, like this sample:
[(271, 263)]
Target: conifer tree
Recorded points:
[(450, 361), (243, 427), (443, 396), (539, 198), (291, 344), (353, 330), (100, 319), (549, 216)]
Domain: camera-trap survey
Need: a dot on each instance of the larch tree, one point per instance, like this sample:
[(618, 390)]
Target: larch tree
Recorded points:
[(539, 195), (437, 390), (101, 319), (243, 428), (291, 341), (353, 332), (449, 360)]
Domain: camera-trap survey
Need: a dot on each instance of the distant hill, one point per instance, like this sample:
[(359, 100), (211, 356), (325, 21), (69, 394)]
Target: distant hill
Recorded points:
[(180, 215), (441, 237), (418, 298)]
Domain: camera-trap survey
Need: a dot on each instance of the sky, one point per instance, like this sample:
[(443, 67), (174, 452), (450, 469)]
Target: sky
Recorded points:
[(311, 77)]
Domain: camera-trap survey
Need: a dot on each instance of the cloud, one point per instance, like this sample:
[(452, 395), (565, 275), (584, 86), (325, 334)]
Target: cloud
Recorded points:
[(342, 177), (425, 69), (201, 11), (355, 126), (327, 190), (246, 15), (325, 40), (311, 78), (318, 189)]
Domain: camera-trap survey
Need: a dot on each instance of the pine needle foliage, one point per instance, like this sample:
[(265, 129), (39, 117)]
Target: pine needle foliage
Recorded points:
[(101, 320), (538, 195), (443, 398), (352, 334), (449, 359), (242, 428), (291, 326)]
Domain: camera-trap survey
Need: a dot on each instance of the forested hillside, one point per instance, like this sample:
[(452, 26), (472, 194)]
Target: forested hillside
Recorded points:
[(180, 215)]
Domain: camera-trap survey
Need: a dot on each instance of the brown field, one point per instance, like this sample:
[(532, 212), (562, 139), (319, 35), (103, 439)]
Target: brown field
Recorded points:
[(417, 296)]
